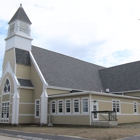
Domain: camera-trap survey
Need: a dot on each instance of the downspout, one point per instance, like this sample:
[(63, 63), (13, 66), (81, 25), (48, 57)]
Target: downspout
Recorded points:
[(90, 109), (49, 124)]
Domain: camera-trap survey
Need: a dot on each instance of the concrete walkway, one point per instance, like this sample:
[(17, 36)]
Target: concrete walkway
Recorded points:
[(136, 137), (33, 136), (8, 138)]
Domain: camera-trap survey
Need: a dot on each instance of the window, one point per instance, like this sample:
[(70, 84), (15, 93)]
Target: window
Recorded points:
[(37, 106), (5, 112), (116, 106), (11, 30), (85, 105), (6, 86), (60, 106), (53, 107), (23, 28), (135, 107), (68, 106), (76, 106)]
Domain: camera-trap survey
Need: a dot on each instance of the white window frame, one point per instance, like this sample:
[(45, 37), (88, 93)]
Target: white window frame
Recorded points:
[(66, 106), (78, 106), (83, 105), (115, 105), (37, 107), (55, 106), (5, 120), (4, 93), (135, 106), (58, 107)]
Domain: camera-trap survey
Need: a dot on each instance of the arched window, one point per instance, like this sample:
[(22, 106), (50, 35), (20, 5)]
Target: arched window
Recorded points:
[(7, 86)]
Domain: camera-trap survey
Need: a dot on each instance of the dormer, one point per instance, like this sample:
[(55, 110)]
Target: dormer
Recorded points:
[(19, 32)]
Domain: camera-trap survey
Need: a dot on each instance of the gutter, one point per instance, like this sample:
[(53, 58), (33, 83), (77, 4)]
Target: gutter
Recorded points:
[(129, 91), (92, 93)]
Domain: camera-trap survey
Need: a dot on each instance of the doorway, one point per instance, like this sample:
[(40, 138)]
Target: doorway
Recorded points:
[(95, 108)]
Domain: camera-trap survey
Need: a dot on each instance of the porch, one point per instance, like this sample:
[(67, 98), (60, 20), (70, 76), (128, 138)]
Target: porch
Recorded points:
[(104, 118)]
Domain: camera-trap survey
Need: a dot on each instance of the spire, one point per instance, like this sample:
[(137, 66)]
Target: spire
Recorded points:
[(20, 15)]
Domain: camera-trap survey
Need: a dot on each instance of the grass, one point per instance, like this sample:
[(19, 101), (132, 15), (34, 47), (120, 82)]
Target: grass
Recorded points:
[(121, 131)]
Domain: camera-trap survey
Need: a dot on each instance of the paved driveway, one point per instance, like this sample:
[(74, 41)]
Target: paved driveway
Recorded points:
[(137, 137), (34, 136)]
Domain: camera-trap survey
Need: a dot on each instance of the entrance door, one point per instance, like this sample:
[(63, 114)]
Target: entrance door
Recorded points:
[(95, 108)]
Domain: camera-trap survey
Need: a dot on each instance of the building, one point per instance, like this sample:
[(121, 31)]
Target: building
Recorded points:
[(41, 86)]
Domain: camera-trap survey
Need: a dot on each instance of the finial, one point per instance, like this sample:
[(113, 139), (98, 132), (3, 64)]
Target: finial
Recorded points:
[(20, 5)]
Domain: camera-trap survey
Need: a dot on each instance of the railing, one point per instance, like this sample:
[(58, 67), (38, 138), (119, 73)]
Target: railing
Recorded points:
[(111, 115)]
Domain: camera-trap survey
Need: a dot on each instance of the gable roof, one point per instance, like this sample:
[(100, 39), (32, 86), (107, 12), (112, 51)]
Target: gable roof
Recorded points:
[(20, 15), (64, 71), (121, 78), (67, 72)]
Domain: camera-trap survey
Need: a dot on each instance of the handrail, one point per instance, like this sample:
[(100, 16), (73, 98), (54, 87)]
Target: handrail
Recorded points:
[(104, 117), (111, 115)]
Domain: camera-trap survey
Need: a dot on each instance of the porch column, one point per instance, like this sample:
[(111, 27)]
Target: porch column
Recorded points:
[(44, 107), (15, 108)]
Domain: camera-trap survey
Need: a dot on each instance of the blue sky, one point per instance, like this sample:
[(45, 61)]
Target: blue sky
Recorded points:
[(103, 32)]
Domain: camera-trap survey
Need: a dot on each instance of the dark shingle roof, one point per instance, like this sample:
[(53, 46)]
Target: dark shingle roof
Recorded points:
[(22, 57), (121, 78), (20, 15), (64, 71), (25, 82)]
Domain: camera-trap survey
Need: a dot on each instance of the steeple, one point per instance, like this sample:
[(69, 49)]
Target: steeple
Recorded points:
[(20, 15), (19, 32)]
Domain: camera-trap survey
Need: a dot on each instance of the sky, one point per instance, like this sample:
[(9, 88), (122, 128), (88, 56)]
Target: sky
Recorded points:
[(103, 32)]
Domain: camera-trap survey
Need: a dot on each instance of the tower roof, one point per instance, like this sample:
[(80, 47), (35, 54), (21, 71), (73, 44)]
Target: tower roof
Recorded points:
[(20, 15)]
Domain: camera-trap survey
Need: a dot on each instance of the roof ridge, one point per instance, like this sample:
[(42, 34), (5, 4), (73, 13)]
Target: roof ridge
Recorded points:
[(68, 56), (121, 65)]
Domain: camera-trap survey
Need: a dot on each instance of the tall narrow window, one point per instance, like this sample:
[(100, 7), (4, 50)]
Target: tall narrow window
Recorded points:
[(37, 106), (5, 112), (68, 106), (116, 106), (6, 86), (135, 108), (53, 107), (85, 105), (60, 106), (76, 106)]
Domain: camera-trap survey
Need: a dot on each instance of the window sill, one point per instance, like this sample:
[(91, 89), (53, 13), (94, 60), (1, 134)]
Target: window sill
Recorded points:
[(5, 93)]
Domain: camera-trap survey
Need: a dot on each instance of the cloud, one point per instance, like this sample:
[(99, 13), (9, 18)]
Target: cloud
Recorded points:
[(102, 32)]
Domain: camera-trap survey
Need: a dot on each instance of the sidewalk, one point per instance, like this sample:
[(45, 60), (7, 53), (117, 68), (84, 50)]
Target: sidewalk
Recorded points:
[(9, 135), (8, 138)]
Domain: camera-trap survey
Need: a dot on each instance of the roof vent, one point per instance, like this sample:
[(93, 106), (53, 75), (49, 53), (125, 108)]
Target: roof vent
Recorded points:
[(107, 90)]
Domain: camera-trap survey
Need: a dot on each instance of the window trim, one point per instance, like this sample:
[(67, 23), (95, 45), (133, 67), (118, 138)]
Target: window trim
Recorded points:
[(135, 103), (58, 107), (7, 119), (78, 105), (35, 108), (3, 92), (55, 106), (66, 106), (119, 105), (83, 104)]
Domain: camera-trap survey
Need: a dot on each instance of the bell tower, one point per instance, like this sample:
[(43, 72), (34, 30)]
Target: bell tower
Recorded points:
[(19, 31)]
